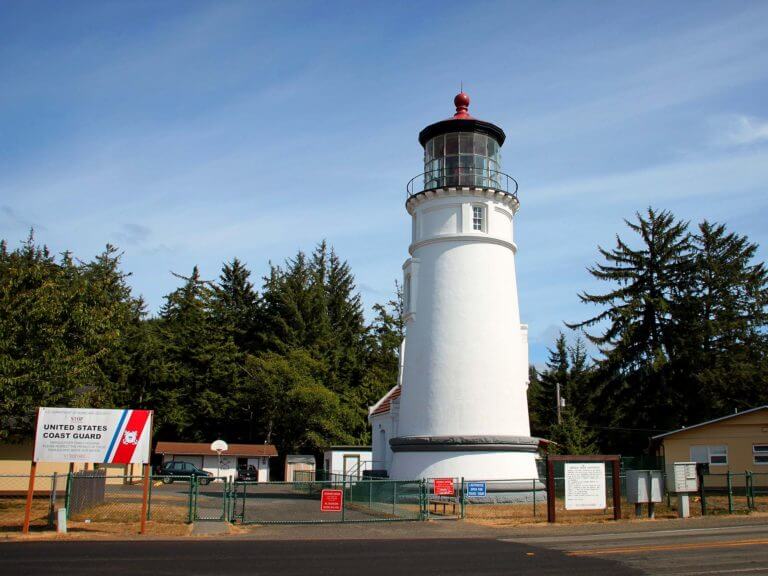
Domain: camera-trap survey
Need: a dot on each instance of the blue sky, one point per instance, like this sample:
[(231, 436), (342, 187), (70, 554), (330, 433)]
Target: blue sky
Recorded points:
[(189, 133)]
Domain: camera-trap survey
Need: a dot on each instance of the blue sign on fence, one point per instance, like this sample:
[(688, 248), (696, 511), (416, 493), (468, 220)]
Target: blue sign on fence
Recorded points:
[(476, 489)]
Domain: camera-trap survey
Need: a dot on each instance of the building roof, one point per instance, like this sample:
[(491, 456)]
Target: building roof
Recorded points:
[(204, 449), (462, 121), (384, 405), (686, 428)]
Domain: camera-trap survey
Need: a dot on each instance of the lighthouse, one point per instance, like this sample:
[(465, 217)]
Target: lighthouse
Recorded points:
[(460, 408)]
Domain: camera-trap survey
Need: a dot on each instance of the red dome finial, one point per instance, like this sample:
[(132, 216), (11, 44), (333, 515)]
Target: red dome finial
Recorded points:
[(462, 105)]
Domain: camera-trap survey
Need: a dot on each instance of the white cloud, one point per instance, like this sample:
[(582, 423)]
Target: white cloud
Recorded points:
[(744, 130)]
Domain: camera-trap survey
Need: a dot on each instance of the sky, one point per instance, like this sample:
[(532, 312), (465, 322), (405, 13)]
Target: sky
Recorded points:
[(188, 133)]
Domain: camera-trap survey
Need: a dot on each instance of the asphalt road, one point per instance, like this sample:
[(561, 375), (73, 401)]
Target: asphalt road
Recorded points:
[(352, 557), (646, 549), (741, 550)]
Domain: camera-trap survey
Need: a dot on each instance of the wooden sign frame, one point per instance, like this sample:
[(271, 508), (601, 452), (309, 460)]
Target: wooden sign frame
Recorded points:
[(615, 461)]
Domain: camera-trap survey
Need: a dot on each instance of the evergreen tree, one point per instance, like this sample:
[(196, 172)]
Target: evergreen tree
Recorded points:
[(724, 348), (635, 385), (572, 435), (235, 304), (567, 366), (203, 366)]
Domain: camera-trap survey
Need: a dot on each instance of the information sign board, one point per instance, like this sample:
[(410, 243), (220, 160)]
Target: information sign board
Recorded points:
[(331, 500), (476, 488), (585, 486), (93, 435), (444, 487)]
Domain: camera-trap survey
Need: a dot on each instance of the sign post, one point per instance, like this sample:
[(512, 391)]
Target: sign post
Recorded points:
[(31, 487)]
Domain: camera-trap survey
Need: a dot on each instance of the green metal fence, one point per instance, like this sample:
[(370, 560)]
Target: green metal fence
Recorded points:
[(299, 502), (734, 492)]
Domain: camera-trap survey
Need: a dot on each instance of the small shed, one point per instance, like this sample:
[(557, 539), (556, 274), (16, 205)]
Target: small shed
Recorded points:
[(299, 467), (734, 443), (236, 455), (347, 460)]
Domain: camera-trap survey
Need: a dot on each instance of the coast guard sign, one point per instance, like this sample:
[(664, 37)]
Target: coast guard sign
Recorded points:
[(93, 435)]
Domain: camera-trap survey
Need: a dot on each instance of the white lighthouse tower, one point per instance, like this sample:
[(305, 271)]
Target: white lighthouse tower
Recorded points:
[(461, 407)]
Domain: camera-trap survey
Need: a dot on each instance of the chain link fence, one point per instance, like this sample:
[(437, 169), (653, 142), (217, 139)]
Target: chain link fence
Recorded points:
[(49, 495), (300, 502)]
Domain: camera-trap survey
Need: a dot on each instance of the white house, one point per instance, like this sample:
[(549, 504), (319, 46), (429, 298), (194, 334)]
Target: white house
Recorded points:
[(236, 455), (347, 460)]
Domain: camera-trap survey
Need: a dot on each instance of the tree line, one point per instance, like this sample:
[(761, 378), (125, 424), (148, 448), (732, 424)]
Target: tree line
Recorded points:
[(293, 363), (680, 332)]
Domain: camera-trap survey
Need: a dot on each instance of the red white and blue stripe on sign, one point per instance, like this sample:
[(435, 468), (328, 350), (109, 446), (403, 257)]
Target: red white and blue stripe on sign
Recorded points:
[(129, 434)]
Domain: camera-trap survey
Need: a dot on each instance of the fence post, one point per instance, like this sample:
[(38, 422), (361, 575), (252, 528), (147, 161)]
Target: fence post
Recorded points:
[(749, 488), (534, 497), (394, 497), (461, 499), (730, 493), (370, 495), (68, 490), (550, 491), (149, 495), (343, 496), (190, 516), (703, 495)]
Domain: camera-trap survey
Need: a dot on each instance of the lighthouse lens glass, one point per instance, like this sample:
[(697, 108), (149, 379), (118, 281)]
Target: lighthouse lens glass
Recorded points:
[(461, 159), (451, 144)]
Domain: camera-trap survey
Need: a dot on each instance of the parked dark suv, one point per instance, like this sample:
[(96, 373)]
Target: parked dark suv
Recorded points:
[(183, 471), (247, 473)]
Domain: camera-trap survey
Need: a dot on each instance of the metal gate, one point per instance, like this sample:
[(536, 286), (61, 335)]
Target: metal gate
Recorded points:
[(301, 502), (211, 499), (444, 498)]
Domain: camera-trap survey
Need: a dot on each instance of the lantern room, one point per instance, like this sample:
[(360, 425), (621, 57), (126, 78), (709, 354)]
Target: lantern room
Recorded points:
[(462, 151)]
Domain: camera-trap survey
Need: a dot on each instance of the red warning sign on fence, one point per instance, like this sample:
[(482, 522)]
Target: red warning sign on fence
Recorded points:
[(444, 487), (331, 500)]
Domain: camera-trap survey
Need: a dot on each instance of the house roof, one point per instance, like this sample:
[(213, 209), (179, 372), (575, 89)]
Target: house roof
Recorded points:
[(384, 405), (699, 425), (195, 449)]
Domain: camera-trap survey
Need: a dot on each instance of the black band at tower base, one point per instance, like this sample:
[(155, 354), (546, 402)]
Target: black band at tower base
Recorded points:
[(464, 444)]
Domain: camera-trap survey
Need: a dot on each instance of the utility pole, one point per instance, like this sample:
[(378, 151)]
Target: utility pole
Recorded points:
[(559, 404)]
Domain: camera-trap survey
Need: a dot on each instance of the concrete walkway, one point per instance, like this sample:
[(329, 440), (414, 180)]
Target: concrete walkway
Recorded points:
[(210, 528)]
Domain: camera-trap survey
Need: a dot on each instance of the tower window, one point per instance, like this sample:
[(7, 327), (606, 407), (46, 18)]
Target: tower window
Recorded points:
[(478, 218)]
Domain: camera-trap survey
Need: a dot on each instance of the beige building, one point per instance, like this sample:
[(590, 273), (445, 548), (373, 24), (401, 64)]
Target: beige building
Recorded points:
[(16, 459), (735, 443)]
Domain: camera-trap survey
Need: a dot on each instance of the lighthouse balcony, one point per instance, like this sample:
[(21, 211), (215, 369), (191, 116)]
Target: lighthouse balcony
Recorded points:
[(470, 177)]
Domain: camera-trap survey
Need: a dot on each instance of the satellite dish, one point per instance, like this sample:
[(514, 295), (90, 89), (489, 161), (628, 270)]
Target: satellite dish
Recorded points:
[(219, 446)]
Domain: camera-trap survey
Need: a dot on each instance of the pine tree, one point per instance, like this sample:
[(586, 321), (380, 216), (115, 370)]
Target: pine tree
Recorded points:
[(572, 435), (235, 305), (725, 346), (203, 366), (635, 384)]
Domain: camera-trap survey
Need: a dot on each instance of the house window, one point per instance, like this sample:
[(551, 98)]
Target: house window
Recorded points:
[(760, 453), (714, 455), (478, 218)]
